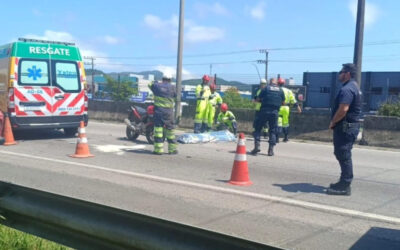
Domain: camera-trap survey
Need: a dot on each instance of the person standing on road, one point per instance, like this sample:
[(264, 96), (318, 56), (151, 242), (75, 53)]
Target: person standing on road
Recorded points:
[(257, 105), (271, 97), (345, 124), (214, 101), (284, 111), (202, 94), (164, 100), (226, 119)]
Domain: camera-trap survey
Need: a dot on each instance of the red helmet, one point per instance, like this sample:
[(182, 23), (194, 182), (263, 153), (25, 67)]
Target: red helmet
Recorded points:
[(224, 107), (150, 109), (213, 87), (206, 78), (281, 81)]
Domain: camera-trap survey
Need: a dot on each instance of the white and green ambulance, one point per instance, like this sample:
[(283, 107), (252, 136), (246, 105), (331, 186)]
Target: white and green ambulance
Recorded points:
[(43, 85)]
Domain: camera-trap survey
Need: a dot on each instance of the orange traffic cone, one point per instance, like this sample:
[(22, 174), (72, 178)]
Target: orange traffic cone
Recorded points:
[(81, 130), (240, 171), (82, 147), (8, 134)]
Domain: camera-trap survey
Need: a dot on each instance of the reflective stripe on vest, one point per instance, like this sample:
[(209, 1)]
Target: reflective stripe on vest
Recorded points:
[(163, 102)]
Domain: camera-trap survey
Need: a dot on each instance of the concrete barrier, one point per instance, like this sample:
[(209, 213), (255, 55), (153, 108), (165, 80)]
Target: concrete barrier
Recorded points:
[(309, 125), (382, 131), (110, 111)]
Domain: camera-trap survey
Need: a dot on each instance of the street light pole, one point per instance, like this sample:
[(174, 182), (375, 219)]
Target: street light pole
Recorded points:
[(264, 61), (179, 63), (258, 72), (358, 48)]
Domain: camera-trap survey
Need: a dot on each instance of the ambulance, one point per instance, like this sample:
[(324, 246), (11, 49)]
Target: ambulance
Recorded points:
[(43, 85)]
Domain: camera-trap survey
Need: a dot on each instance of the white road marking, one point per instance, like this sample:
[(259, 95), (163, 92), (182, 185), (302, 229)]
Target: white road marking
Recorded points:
[(283, 200), (118, 149)]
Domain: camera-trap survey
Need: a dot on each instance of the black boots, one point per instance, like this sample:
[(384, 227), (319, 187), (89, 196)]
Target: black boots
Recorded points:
[(286, 139), (339, 188), (255, 151), (271, 150)]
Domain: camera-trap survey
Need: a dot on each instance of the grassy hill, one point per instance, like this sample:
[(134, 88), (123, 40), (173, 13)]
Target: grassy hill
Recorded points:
[(158, 75)]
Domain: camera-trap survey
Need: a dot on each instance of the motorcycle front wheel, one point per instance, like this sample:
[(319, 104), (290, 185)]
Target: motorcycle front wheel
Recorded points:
[(131, 134)]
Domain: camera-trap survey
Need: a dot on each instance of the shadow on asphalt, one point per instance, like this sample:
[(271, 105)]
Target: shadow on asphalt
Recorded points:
[(138, 151), (378, 238), (302, 188), (137, 141), (39, 134)]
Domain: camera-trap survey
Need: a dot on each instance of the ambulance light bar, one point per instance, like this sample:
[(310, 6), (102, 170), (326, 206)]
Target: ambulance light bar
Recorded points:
[(44, 41)]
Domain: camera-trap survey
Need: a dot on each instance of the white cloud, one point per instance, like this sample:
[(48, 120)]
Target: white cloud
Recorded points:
[(194, 33), (111, 40), (204, 34), (53, 36), (258, 11), (86, 50), (172, 70), (372, 12), (204, 10), (36, 12)]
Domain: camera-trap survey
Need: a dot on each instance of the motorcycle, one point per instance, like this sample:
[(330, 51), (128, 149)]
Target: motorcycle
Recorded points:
[(140, 122)]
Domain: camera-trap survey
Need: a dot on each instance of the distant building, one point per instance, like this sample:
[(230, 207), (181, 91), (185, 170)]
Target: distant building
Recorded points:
[(224, 88), (376, 88)]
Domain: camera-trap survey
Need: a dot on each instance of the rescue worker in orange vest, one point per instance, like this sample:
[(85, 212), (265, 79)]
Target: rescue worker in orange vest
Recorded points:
[(202, 94), (284, 111), (213, 101)]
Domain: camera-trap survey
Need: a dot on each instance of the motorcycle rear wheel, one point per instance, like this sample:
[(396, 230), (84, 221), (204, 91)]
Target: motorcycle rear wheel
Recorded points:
[(150, 135), (131, 134)]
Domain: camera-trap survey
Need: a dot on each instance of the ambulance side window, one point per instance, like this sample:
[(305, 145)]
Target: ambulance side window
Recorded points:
[(33, 73), (67, 76)]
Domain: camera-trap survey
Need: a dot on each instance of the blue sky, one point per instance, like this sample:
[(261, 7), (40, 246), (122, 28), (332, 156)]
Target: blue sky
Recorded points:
[(133, 35)]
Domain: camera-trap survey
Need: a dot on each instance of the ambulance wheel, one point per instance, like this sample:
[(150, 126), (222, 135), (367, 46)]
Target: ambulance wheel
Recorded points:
[(70, 132), (131, 134)]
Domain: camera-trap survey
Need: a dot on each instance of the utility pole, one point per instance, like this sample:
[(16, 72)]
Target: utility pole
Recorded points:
[(179, 63), (119, 82), (359, 39), (264, 61), (92, 63), (93, 87), (210, 69)]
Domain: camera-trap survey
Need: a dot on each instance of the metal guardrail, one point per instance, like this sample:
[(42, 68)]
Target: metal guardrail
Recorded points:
[(85, 225)]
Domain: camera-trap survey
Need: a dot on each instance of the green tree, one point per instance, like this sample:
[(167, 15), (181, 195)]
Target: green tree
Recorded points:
[(390, 109), (234, 100), (120, 90)]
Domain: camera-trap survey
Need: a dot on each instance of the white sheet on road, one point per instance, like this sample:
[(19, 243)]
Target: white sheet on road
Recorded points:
[(214, 136)]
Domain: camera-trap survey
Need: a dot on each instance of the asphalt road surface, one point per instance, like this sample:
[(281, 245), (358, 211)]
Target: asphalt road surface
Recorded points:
[(286, 206)]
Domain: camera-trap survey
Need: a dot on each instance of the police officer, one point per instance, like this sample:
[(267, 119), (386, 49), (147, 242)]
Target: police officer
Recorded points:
[(345, 123), (164, 98), (257, 105), (271, 97), (202, 94)]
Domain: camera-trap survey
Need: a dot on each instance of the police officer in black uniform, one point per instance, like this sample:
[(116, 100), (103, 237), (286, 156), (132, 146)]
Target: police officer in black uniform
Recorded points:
[(271, 97), (346, 126)]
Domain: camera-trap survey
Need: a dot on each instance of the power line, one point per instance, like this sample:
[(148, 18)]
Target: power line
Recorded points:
[(385, 42)]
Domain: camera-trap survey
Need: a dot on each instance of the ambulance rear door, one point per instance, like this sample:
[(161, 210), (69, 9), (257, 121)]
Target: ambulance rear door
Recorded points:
[(68, 98)]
